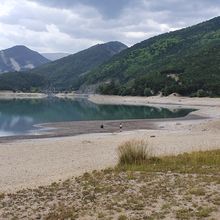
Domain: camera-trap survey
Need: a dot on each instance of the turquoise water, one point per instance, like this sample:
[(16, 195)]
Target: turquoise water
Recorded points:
[(17, 117)]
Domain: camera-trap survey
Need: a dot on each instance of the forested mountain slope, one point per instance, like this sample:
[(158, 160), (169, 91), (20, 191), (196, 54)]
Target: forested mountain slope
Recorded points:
[(63, 74), (186, 61)]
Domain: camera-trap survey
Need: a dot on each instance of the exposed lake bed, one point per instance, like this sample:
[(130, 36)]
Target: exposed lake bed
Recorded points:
[(33, 162)]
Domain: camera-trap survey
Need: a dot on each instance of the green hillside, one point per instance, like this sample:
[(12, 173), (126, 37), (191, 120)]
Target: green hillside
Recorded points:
[(22, 81), (63, 74), (186, 61)]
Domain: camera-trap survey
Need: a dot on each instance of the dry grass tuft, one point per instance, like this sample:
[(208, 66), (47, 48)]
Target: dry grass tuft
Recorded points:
[(135, 155), (134, 152)]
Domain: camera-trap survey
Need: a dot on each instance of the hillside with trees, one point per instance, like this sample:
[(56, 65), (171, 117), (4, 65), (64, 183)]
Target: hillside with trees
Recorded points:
[(186, 61), (63, 74)]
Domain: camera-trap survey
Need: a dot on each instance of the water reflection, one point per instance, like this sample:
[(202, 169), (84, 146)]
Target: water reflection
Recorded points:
[(19, 116)]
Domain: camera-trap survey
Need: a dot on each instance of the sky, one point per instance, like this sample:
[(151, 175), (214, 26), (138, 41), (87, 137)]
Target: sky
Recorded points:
[(72, 25)]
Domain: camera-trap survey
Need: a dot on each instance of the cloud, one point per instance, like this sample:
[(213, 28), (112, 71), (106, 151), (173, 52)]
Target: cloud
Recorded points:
[(39, 27), (107, 8), (70, 26)]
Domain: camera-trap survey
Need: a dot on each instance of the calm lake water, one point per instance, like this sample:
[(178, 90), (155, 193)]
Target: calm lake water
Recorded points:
[(18, 116)]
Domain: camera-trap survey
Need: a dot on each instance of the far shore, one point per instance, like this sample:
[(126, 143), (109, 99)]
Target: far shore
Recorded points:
[(207, 107), (21, 95), (34, 162), (35, 95)]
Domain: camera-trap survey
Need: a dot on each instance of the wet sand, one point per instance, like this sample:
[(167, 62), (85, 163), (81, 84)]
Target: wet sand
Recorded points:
[(67, 129)]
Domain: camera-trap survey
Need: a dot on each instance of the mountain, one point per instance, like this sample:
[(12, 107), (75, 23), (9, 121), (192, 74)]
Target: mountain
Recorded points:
[(64, 73), (185, 61), (19, 58), (54, 56)]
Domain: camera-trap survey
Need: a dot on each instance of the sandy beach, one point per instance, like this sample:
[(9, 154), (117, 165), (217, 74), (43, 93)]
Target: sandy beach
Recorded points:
[(37, 95), (21, 95), (28, 163)]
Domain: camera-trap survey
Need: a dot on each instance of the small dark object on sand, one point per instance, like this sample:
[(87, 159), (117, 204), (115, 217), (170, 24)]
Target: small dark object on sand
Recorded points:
[(152, 136), (102, 126), (120, 127)]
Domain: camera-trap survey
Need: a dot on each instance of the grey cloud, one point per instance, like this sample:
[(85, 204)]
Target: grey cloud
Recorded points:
[(184, 10), (108, 8), (72, 25)]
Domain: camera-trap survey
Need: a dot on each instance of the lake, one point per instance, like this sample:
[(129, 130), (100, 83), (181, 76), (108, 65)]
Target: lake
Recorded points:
[(17, 117)]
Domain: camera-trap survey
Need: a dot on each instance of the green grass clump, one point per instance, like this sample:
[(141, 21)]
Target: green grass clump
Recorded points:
[(135, 156), (134, 152), (204, 212), (62, 212), (2, 196), (122, 217), (183, 214), (197, 191)]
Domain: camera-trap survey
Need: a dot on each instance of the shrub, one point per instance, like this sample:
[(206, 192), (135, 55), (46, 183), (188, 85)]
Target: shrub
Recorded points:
[(147, 92), (133, 152), (201, 93)]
